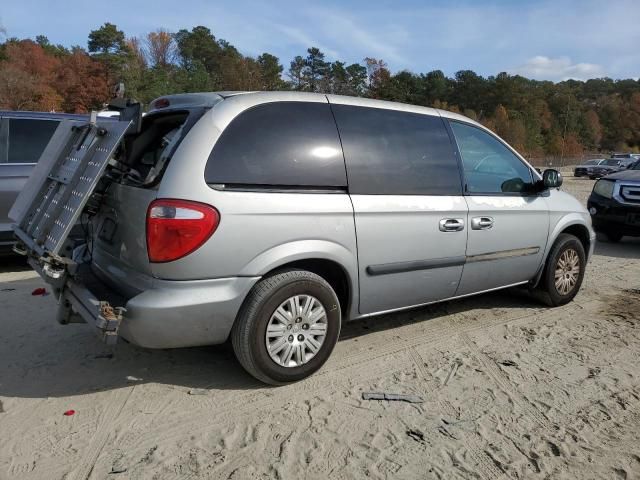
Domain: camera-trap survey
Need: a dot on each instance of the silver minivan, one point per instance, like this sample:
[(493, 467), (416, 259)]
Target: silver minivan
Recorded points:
[(272, 217)]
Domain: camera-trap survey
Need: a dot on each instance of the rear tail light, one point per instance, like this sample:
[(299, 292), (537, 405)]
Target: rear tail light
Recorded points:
[(175, 228)]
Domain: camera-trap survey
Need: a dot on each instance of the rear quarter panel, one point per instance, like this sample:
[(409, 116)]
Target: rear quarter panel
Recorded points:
[(261, 231)]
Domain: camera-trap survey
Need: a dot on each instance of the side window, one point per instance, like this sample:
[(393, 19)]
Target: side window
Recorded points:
[(397, 153), (28, 139), (279, 144), (489, 166)]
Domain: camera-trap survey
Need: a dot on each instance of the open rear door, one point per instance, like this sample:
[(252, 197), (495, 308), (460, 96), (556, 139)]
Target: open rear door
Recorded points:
[(61, 184)]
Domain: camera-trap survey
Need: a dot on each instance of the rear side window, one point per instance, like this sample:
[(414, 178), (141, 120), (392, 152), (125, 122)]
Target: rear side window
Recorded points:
[(397, 153), (279, 144), (150, 151), (28, 139)]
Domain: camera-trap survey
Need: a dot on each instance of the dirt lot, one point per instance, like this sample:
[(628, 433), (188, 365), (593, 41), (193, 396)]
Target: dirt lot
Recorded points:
[(511, 390)]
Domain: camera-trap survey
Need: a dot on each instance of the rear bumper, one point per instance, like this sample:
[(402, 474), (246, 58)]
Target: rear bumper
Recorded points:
[(185, 313), (170, 314)]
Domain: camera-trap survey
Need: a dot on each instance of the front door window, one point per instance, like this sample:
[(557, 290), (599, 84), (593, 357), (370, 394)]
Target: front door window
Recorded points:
[(489, 166)]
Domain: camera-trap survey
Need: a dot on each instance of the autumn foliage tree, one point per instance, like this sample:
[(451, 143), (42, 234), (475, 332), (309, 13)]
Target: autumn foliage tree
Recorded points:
[(82, 82), (18, 90), (33, 79), (26, 60), (160, 48), (379, 77)]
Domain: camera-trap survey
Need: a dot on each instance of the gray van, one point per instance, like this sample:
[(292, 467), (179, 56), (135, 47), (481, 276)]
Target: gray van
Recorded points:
[(23, 136), (272, 217)]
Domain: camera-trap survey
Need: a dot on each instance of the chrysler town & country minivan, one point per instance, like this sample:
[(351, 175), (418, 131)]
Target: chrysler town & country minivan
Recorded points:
[(270, 218)]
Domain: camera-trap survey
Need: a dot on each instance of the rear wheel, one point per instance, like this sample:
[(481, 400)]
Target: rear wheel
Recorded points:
[(564, 270), (287, 327)]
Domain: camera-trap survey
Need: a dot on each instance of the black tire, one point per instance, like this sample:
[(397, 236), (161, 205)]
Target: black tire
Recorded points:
[(249, 331), (553, 296), (613, 237)]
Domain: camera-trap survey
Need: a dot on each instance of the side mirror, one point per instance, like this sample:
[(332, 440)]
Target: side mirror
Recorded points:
[(551, 178)]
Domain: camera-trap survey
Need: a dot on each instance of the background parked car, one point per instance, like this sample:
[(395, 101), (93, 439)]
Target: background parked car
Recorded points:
[(611, 165), (584, 169), (614, 204), (23, 137), (632, 156)]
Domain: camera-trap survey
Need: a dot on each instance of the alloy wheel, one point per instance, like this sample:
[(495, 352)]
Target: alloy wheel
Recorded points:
[(567, 271)]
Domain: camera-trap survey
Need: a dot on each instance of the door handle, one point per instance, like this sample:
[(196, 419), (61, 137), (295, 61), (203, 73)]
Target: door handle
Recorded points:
[(481, 223), (451, 224)]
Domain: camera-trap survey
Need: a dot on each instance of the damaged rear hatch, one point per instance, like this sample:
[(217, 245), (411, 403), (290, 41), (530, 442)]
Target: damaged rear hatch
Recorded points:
[(101, 175)]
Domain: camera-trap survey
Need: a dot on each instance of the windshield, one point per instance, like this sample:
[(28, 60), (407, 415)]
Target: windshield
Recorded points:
[(636, 166), (591, 162), (611, 162)]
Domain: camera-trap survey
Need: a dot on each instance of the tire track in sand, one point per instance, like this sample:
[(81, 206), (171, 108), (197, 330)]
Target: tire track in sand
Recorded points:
[(336, 373), (487, 468), (505, 384), (105, 428)]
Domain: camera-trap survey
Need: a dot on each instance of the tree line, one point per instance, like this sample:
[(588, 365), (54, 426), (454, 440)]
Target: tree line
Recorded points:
[(537, 117)]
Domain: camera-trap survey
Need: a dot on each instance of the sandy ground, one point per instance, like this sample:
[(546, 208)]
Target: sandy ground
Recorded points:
[(511, 389)]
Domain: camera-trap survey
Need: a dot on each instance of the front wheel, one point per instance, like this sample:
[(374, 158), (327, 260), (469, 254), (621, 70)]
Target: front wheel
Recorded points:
[(564, 270), (287, 327)]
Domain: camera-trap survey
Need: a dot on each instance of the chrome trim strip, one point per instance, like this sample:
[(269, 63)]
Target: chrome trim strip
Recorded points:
[(236, 187), (402, 267), (383, 312), (518, 252), (624, 184)]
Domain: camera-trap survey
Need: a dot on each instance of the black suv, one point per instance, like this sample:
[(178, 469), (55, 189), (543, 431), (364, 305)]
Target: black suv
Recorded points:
[(614, 204)]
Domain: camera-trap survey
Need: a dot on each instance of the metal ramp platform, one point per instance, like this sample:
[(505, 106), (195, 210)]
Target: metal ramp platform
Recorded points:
[(62, 182)]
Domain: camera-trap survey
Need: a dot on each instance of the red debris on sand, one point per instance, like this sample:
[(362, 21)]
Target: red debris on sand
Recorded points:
[(39, 291), (68, 413)]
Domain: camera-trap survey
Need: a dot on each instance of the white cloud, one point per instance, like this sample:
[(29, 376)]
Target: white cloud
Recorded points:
[(561, 68), (304, 40), (374, 40)]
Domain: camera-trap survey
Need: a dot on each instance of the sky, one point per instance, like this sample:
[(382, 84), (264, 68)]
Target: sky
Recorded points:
[(542, 39)]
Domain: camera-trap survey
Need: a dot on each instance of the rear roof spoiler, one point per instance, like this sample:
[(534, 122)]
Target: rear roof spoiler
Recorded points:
[(185, 100)]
